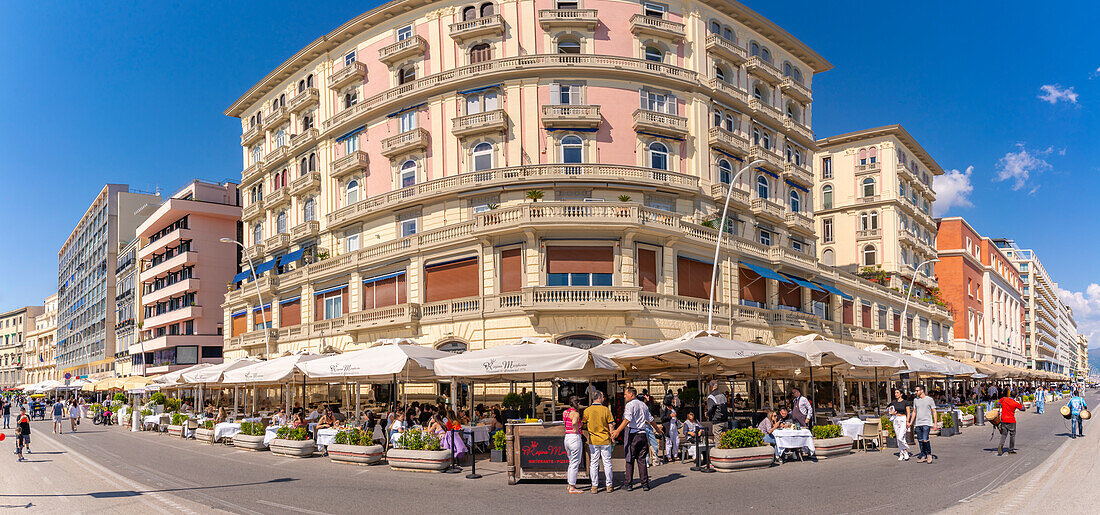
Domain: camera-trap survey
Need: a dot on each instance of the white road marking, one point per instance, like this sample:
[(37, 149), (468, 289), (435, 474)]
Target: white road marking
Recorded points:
[(291, 508)]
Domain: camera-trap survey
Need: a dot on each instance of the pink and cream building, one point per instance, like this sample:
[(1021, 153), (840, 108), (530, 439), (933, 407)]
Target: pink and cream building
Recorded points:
[(470, 173), (182, 275)]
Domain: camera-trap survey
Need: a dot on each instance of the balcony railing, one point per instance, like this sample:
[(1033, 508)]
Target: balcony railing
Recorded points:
[(398, 315), (349, 164), (561, 115), (796, 90), (299, 142), (767, 209), (277, 198), (763, 69), (739, 197), (254, 252), (253, 210), (800, 222), (348, 74), (252, 172), (584, 18), (729, 92), (408, 47), (276, 157), (726, 49), (252, 134), (770, 158), (311, 181), (408, 141), (868, 234), (868, 168), (660, 123), (305, 230), (798, 173), (641, 24), (308, 97), (277, 116), (798, 129), (571, 298), (277, 242), (727, 141), (490, 121), (484, 26), (761, 108)]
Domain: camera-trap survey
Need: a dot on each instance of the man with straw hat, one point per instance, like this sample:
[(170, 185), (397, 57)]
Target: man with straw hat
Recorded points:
[(1076, 405)]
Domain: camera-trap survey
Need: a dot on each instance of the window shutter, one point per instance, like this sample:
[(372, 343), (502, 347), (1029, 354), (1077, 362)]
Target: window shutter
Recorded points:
[(644, 98), (575, 95), (555, 93), (670, 105)]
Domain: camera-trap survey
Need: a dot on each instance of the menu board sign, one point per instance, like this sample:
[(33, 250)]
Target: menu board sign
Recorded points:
[(543, 453)]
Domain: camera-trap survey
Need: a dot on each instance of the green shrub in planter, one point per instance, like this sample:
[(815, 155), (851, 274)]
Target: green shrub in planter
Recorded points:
[(512, 401), (1028, 398), (288, 433), (417, 440), (146, 412), (120, 397), (172, 405), (158, 398), (969, 410), (252, 429), (826, 431), (209, 424), (947, 421), (354, 436), (178, 419), (499, 441), (741, 438), (888, 426)]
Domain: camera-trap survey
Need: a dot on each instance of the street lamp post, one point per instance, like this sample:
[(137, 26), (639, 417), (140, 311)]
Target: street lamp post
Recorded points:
[(908, 294), (263, 316), (718, 243)]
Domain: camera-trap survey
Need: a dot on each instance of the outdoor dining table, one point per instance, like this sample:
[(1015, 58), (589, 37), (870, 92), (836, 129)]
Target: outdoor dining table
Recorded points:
[(479, 434), (792, 439), (226, 430), (851, 427), (326, 436), (269, 434)]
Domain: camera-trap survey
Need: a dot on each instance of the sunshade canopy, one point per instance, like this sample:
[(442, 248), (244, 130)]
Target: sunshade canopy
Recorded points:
[(273, 371), (844, 359), (954, 368), (709, 351), (175, 377), (379, 363), (915, 364), (213, 374), (528, 359)]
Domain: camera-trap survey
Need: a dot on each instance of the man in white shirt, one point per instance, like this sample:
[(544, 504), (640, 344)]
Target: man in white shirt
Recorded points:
[(636, 417), (924, 421)]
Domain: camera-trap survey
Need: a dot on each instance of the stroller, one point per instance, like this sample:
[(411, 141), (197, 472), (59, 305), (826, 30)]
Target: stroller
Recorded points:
[(103, 418)]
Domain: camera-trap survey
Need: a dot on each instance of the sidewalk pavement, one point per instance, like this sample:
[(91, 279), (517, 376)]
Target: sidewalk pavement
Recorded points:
[(1067, 481)]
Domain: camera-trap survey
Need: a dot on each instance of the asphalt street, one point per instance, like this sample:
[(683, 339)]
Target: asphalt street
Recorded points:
[(116, 471)]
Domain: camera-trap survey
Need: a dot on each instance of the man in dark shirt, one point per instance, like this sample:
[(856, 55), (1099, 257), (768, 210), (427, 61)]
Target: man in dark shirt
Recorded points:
[(23, 433), (7, 412)]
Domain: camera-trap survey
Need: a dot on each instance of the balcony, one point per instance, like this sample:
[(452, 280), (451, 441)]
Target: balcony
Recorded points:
[(299, 142), (175, 315), (349, 164), (254, 252), (642, 25), (868, 199), (480, 123), (311, 181), (276, 157), (171, 290), (729, 92), (252, 134), (277, 198), (728, 142), (771, 160), (277, 242), (868, 168), (798, 173), (798, 129), (570, 116), (408, 47), (305, 230), (739, 197), (572, 298), (259, 337), (252, 211), (277, 116), (766, 209), (307, 98), (347, 75), (800, 223), (796, 90), (252, 172), (788, 257), (586, 19), (408, 141), (492, 25), (868, 234), (766, 110), (660, 123), (401, 315), (726, 49), (168, 240), (763, 70)]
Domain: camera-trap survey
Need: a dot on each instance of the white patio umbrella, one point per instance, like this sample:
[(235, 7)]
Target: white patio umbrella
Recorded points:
[(849, 360), (213, 374), (954, 368), (701, 349), (173, 378), (273, 371), (376, 364), (914, 364)]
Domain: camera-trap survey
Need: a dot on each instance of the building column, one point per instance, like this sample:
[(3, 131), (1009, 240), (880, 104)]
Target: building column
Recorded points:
[(807, 299), (307, 303), (532, 259), (627, 264), (488, 269), (668, 270), (355, 292), (276, 320), (413, 280), (772, 288)]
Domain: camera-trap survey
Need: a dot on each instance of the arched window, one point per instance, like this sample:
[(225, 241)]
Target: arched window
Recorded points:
[(872, 155), (862, 156), (720, 74), (766, 140), (274, 104), (282, 100), (569, 46), (869, 187), (252, 122), (828, 257), (793, 112), (313, 162), (487, 9), (407, 75), (453, 346), (725, 171), (758, 92), (308, 210), (572, 149), (754, 49), (654, 54), (873, 216), (483, 156), (408, 173), (480, 53), (469, 13), (717, 117), (301, 86), (307, 123), (863, 222), (796, 74), (763, 187), (352, 191), (351, 98), (303, 167), (309, 80), (786, 69), (766, 55), (869, 258), (580, 341), (715, 27), (731, 123), (827, 197), (796, 202), (658, 155), (727, 34), (280, 223), (259, 117), (258, 233)]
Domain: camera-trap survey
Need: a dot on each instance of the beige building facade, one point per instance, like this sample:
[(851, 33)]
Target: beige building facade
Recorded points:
[(15, 326), (40, 345)]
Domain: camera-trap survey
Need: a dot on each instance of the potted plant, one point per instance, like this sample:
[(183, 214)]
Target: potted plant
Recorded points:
[(947, 424), (175, 428), (967, 418), (496, 455), (355, 446), (205, 432), (419, 451), (251, 437), (293, 442), (534, 195), (517, 406), (888, 432), (740, 449), (829, 442), (624, 198), (157, 400)]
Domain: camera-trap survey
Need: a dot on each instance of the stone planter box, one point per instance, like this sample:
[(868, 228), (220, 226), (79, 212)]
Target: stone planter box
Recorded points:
[(357, 454), (891, 443), (967, 420), (496, 456), (949, 431), (204, 435), (1028, 405), (293, 448), (833, 447), (420, 461), (729, 460), (175, 430), (249, 442)]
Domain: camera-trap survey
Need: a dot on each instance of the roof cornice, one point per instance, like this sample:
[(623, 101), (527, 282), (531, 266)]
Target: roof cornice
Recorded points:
[(895, 130)]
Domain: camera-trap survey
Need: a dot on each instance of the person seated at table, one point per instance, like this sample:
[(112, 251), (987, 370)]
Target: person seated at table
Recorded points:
[(425, 414), (326, 421), (280, 418), (296, 421), (397, 428), (222, 416), (208, 413), (340, 417), (692, 429), (315, 414), (767, 426), (784, 418)]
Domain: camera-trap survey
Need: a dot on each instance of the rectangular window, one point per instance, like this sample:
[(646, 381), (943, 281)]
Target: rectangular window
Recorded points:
[(408, 177), (693, 278), (290, 313), (484, 203), (382, 291), (566, 94), (404, 33), (353, 242), (407, 120), (351, 145), (511, 270), (452, 280), (187, 355), (659, 102), (765, 237), (660, 202), (827, 230), (350, 58), (407, 224), (647, 269), (654, 10), (579, 266), (882, 318), (827, 168), (798, 245)]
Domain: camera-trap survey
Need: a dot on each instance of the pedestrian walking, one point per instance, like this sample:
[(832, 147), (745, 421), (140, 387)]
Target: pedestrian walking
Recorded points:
[(636, 417), (7, 412), (22, 433), (1040, 400), (58, 415), (574, 444), (1008, 423), (717, 409), (598, 421), (903, 414), (74, 414), (924, 421), (1076, 404)]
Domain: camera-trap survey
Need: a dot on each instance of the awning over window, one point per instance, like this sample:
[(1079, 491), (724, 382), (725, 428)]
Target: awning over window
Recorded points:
[(834, 291), (242, 276), (663, 136), (767, 272), (410, 108), (383, 277), (769, 172), (265, 307), (265, 266), (803, 282), (350, 134), (478, 90), (570, 129), (797, 186), (292, 257)]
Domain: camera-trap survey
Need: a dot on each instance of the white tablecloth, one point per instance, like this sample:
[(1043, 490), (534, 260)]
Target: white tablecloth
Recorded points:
[(480, 433), (794, 439), (151, 419), (252, 419), (269, 434), (851, 427), (326, 436), (226, 430)]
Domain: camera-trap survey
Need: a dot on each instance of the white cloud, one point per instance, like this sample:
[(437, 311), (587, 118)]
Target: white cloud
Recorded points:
[(1086, 309), (1018, 166), (1055, 93), (1095, 74), (953, 189)]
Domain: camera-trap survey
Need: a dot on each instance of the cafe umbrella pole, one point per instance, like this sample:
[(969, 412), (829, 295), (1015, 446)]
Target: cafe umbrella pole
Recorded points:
[(473, 439)]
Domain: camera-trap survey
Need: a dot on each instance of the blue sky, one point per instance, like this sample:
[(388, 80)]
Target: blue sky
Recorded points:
[(133, 93)]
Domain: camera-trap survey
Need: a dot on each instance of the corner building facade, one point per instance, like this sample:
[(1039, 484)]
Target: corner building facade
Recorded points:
[(467, 174)]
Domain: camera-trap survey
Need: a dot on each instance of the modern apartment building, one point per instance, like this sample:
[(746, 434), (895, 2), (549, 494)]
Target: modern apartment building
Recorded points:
[(1082, 369), (86, 282), (874, 213), (127, 302), (984, 291), (183, 270), (15, 325), (467, 174), (40, 344)]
